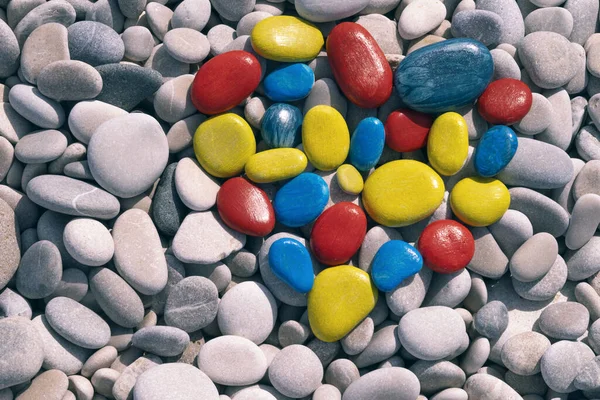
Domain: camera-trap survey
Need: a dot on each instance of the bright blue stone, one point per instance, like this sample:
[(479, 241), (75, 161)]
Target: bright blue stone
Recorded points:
[(495, 150), (395, 261), (290, 261), (367, 144), (281, 126), (444, 76), (290, 82), (301, 200)]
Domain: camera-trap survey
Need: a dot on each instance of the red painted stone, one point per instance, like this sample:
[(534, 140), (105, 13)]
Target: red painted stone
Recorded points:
[(446, 246), (505, 101), (245, 207), (225, 81), (359, 65), (338, 233), (407, 130)]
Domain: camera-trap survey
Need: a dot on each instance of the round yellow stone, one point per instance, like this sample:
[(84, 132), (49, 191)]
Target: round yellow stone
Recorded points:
[(285, 38), (325, 137), (402, 192), (479, 201), (340, 299), (223, 145), (349, 179), (448, 143), (275, 165)]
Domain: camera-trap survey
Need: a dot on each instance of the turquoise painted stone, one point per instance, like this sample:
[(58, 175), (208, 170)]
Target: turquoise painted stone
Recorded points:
[(444, 76), (290, 261), (301, 200), (367, 144), (395, 261), (281, 126), (289, 83), (495, 150)]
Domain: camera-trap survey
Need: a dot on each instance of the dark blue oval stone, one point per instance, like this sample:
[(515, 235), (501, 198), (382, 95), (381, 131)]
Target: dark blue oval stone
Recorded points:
[(495, 150), (281, 125)]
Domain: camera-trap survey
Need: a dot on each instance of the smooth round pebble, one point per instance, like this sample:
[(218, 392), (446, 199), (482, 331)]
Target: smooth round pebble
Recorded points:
[(22, 349), (88, 241), (491, 320), (534, 258), (163, 380), (40, 270), (296, 371), (562, 362), (523, 352), (138, 43), (484, 26), (187, 45), (69, 80), (35, 107), (95, 43), (164, 341), (568, 320), (41, 146), (393, 383)]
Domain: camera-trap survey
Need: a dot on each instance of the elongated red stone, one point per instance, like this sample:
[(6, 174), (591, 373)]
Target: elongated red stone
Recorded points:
[(245, 207), (224, 81), (446, 246), (359, 65), (505, 101), (338, 233), (407, 130)]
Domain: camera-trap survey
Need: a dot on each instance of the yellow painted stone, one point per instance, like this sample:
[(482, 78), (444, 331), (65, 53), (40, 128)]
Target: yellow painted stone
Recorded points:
[(349, 179), (340, 299), (223, 145), (285, 38), (448, 143), (275, 165), (402, 192), (479, 201), (325, 137)]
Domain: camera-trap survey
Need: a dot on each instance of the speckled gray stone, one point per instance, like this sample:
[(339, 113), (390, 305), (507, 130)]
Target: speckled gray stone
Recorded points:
[(568, 320), (248, 21), (126, 85), (9, 52), (51, 384), (102, 358), (581, 79), (491, 320), (585, 14), (220, 37), (393, 383), (489, 260), (513, 27), (40, 270), (108, 13), (481, 25), (158, 17), (86, 116), (538, 118), (488, 387), (162, 381), (161, 61), (550, 19), (9, 243), (181, 133), (292, 332), (233, 10), (448, 289), (522, 352), (74, 152), (562, 362), (534, 258), (41, 146), (193, 14), (35, 107), (168, 211), (587, 143), (191, 304), (546, 287), (57, 11), (359, 338), (217, 273), (586, 294), (12, 125), (172, 102), (384, 31), (341, 373), (243, 263), (103, 381), (138, 43), (69, 80), (296, 371), (95, 43), (13, 304), (164, 341), (545, 214), (384, 344), (511, 231), (589, 376), (73, 284), (587, 180), (187, 45), (437, 375), (505, 65), (45, 45), (326, 392), (22, 349), (420, 17), (584, 262), (410, 294), (326, 92)]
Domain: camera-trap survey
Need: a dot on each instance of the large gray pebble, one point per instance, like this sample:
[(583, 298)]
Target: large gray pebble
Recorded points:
[(192, 304), (387, 383), (248, 21), (88, 241), (41, 146), (56, 11), (581, 79), (550, 19), (488, 387), (162, 381), (584, 262), (511, 231), (587, 180), (12, 125), (69, 80), (9, 51), (491, 320), (568, 320), (187, 45), (40, 270), (172, 102), (584, 221), (534, 258), (538, 117), (448, 289), (138, 42), (481, 25), (35, 107), (523, 352), (513, 27), (74, 285), (158, 17), (489, 260), (437, 375), (13, 304), (562, 362), (505, 66), (545, 214), (384, 31), (22, 349), (46, 44), (558, 132), (420, 17), (51, 226), (193, 14), (409, 295), (546, 287), (189, 177), (384, 344), (86, 116), (585, 14), (476, 355), (161, 61), (164, 341), (108, 13), (127, 85), (589, 377), (233, 10), (26, 211), (296, 371)]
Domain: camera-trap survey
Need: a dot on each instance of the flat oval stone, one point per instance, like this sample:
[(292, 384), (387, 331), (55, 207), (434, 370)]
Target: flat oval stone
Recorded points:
[(59, 12), (245, 207), (193, 14), (167, 209), (582, 263), (164, 341), (90, 331), (545, 214), (317, 11), (562, 362), (420, 17), (127, 85), (341, 297), (367, 143), (538, 118), (275, 165), (281, 125), (407, 130), (213, 91), (139, 42), (534, 258), (45, 45), (583, 221), (484, 26), (86, 116), (479, 201), (224, 144), (545, 288), (137, 243), (22, 348), (35, 107), (106, 286), (232, 360), (189, 176), (69, 80), (233, 10), (435, 90), (163, 380), (307, 189), (568, 320), (488, 387), (325, 137), (287, 39), (395, 261), (88, 241), (550, 19), (326, 92), (369, 86), (505, 101), (289, 82), (192, 304), (446, 246), (9, 51), (296, 371), (12, 125), (41, 146), (127, 154), (432, 333), (436, 375), (290, 261), (448, 143), (421, 194), (187, 45), (384, 382), (95, 43), (495, 150), (172, 102), (40, 270), (523, 352)]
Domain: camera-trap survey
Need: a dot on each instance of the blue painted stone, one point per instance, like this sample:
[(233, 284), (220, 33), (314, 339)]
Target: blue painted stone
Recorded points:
[(301, 200), (495, 150), (367, 144), (281, 126), (289, 83), (395, 261), (444, 76), (290, 261)]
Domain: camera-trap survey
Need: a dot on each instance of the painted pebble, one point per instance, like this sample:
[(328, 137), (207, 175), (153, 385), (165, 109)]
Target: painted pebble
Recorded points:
[(281, 125), (224, 81), (407, 130), (338, 233), (325, 137), (444, 76), (301, 200), (224, 144), (448, 143), (367, 144), (359, 65), (479, 201), (505, 101), (495, 150), (289, 83), (290, 261), (340, 298), (395, 261), (402, 192), (275, 165), (446, 246), (349, 179)]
